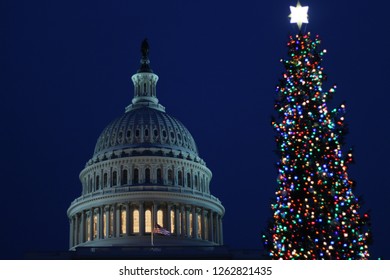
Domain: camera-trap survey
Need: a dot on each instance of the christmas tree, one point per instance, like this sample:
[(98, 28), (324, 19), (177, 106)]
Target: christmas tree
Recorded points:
[(315, 213)]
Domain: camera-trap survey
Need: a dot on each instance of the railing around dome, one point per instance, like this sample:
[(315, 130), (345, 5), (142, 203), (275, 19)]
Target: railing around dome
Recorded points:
[(145, 188)]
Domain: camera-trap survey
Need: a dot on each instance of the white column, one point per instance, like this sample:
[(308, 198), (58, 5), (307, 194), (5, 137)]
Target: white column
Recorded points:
[(107, 221), (91, 224), (101, 185), (194, 223), (93, 181), (141, 176), (101, 224), (192, 180), (217, 230), (177, 221), (220, 230), (164, 174), (188, 225), (211, 227), (119, 175), (154, 215), (141, 218), (202, 221), (111, 233), (168, 217), (174, 179), (128, 220), (77, 231), (109, 178), (153, 170), (96, 211), (183, 219), (130, 174), (71, 232), (82, 234), (131, 221), (117, 218)]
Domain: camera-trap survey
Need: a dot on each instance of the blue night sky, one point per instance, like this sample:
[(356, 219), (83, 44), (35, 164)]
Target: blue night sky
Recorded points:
[(65, 69)]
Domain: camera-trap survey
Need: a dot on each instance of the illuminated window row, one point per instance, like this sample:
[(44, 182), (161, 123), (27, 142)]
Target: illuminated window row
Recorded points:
[(124, 221)]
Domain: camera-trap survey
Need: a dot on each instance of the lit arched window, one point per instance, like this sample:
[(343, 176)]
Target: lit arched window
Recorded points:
[(124, 177), (105, 225), (88, 229), (95, 225), (191, 225), (123, 220), (111, 233), (180, 178), (135, 221), (148, 221), (172, 217), (147, 176), (170, 177), (159, 176), (160, 217), (135, 176), (199, 227)]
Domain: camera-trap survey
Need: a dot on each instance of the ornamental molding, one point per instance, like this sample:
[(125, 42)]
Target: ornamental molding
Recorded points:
[(211, 203), (143, 160)]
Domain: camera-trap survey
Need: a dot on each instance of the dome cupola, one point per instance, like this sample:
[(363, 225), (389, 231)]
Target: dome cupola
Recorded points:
[(145, 82)]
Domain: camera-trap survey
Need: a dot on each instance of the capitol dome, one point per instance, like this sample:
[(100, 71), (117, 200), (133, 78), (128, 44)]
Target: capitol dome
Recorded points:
[(148, 128), (145, 178)]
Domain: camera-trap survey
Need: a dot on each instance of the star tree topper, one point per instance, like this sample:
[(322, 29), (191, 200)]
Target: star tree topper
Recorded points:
[(299, 14)]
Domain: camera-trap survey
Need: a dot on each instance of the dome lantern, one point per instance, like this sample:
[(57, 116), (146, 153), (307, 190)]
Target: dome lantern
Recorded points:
[(145, 82)]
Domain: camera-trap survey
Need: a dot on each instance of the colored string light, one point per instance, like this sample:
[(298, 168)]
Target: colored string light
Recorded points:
[(315, 214)]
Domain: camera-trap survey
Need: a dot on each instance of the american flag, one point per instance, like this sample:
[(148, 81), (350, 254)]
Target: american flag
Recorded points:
[(160, 230)]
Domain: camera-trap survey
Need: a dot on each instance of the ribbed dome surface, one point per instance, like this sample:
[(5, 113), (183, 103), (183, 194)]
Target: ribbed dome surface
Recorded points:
[(145, 128)]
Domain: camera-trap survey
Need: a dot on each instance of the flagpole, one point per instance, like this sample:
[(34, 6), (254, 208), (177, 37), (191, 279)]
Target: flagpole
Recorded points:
[(152, 230), (151, 238)]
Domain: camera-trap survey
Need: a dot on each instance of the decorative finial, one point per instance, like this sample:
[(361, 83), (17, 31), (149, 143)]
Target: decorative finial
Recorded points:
[(145, 67), (145, 82), (299, 15), (145, 48)]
